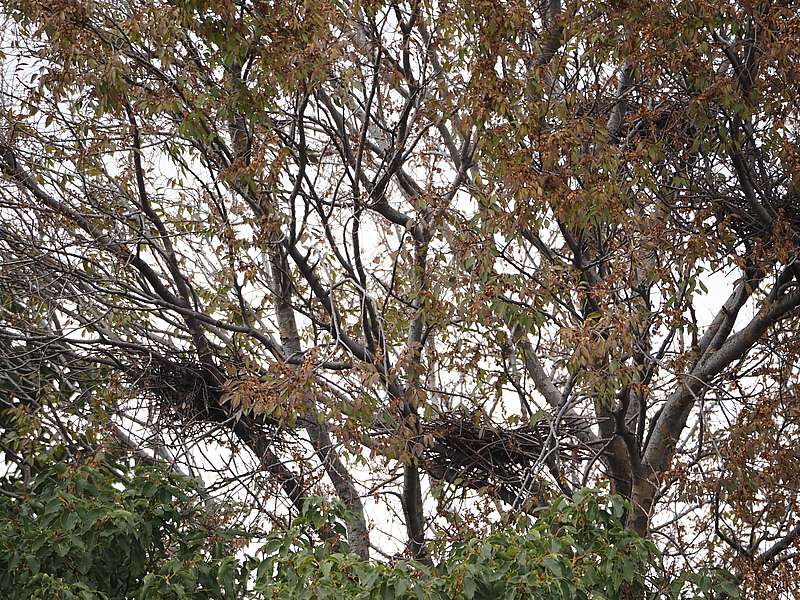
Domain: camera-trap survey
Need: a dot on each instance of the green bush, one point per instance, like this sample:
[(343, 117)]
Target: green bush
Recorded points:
[(85, 533), (571, 550), (95, 533)]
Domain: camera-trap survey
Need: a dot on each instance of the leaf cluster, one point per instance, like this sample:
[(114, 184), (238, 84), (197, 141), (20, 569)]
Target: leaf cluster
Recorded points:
[(573, 549), (91, 533)]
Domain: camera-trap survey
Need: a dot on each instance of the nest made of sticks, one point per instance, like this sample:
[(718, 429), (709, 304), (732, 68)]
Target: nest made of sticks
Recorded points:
[(182, 387), (472, 452), (746, 221)]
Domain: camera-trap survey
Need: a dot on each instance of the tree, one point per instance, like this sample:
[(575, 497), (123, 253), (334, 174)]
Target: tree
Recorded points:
[(99, 531), (458, 257), (575, 548)]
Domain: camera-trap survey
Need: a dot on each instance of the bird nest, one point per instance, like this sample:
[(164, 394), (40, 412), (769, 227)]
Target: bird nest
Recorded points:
[(474, 453), (182, 388), (751, 224)]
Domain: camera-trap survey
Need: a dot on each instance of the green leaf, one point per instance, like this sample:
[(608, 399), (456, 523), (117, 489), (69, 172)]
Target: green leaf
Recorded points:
[(469, 587), (70, 521), (552, 565)]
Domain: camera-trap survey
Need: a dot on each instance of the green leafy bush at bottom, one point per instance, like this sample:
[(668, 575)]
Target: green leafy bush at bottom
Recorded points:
[(93, 533), (84, 533)]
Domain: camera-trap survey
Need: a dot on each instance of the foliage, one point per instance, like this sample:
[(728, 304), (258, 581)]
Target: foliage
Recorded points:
[(575, 548), (90, 532), (571, 550), (432, 258), (93, 533)]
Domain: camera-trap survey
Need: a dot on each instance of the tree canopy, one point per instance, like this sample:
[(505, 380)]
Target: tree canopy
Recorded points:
[(438, 260), (100, 531), (92, 532)]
